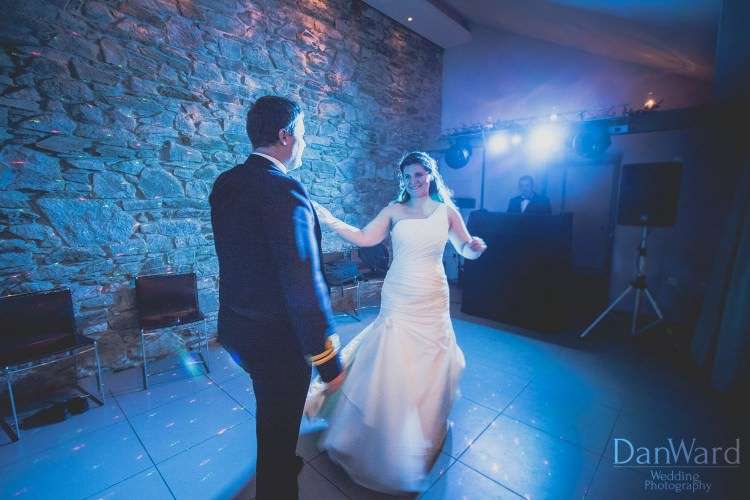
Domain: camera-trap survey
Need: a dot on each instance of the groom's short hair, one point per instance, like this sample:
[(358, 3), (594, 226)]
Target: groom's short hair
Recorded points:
[(267, 116)]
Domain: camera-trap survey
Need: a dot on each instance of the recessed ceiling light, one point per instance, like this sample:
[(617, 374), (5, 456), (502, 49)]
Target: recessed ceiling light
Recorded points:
[(410, 19)]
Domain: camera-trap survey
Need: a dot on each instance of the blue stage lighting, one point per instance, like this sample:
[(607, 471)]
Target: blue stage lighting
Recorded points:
[(546, 140), (498, 142)]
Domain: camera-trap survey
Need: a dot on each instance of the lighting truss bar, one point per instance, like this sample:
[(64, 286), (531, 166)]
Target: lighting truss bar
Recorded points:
[(633, 122)]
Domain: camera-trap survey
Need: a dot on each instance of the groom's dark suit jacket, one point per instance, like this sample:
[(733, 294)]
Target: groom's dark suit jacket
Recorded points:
[(273, 298)]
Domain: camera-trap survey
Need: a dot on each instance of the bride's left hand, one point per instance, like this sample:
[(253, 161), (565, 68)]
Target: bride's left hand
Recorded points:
[(477, 244)]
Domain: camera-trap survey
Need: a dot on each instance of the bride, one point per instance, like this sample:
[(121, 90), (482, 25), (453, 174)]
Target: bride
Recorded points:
[(388, 421)]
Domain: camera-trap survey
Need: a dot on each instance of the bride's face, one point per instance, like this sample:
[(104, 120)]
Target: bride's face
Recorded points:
[(417, 180)]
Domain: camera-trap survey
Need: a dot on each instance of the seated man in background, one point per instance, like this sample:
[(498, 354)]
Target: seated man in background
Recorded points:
[(529, 201)]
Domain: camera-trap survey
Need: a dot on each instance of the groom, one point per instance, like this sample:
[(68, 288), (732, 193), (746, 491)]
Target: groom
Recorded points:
[(274, 312)]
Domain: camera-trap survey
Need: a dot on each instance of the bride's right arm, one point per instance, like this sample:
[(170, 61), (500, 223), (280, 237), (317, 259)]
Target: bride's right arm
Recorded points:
[(372, 234)]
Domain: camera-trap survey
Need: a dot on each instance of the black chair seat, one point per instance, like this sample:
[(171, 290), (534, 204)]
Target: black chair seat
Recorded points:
[(46, 348), (167, 319), (341, 272)]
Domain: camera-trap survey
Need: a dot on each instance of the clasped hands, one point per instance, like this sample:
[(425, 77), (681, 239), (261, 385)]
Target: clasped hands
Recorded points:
[(324, 215), (335, 384)]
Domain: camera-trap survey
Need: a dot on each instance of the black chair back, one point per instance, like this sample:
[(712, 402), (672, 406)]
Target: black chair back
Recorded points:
[(36, 324), (340, 272), (377, 258), (166, 297)]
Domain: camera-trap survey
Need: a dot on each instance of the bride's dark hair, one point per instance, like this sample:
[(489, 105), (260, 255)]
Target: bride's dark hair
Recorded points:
[(438, 190)]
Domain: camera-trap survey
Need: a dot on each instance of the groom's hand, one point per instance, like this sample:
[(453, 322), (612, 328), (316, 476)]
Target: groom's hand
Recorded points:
[(335, 384)]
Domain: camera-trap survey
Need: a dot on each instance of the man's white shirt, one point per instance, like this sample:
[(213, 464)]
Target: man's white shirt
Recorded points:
[(273, 160)]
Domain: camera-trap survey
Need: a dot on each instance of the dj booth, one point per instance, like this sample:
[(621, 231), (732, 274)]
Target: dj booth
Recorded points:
[(523, 278)]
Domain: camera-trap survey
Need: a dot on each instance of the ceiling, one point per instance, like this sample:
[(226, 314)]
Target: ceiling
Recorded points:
[(430, 19), (676, 36)]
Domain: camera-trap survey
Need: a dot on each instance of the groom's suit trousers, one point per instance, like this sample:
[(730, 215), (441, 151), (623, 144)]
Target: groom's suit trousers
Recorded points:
[(280, 378)]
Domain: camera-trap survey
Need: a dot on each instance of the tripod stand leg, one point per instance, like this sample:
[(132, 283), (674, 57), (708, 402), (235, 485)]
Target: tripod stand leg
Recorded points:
[(660, 316), (634, 326), (653, 303), (606, 311)]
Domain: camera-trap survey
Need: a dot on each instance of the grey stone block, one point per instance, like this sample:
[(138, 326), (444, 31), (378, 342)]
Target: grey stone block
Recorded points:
[(156, 183), (87, 222), (112, 185)]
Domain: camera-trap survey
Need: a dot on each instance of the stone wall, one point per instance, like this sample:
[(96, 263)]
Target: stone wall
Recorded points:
[(116, 117)]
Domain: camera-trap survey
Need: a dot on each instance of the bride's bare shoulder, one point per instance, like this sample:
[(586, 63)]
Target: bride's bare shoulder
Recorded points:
[(393, 208)]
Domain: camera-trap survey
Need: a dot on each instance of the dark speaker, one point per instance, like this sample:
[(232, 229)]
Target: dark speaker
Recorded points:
[(523, 277), (649, 193)]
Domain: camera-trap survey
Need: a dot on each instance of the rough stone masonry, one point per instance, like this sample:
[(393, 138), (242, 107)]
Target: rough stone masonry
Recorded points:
[(116, 117)]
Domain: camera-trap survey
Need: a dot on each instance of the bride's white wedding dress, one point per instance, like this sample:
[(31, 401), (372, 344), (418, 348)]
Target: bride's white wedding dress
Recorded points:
[(388, 421)]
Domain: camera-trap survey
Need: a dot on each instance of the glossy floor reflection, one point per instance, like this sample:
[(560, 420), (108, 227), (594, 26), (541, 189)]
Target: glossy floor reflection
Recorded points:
[(536, 419)]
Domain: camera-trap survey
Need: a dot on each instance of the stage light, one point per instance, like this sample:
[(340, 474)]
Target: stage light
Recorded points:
[(516, 139), (410, 19), (592, 142), (457, 156), (553, 117), (498, 142), (651, 103), (545, 140)]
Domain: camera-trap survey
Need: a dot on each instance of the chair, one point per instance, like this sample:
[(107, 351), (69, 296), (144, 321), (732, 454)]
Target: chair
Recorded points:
[(343, 273), (167, 300), (376, 260), (39, 330)]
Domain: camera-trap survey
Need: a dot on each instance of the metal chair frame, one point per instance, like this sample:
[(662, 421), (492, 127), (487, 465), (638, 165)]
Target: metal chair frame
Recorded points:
[(202, 347)]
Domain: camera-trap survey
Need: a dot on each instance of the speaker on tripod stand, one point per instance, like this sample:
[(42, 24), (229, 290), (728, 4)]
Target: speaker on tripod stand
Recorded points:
[(648, 198)]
